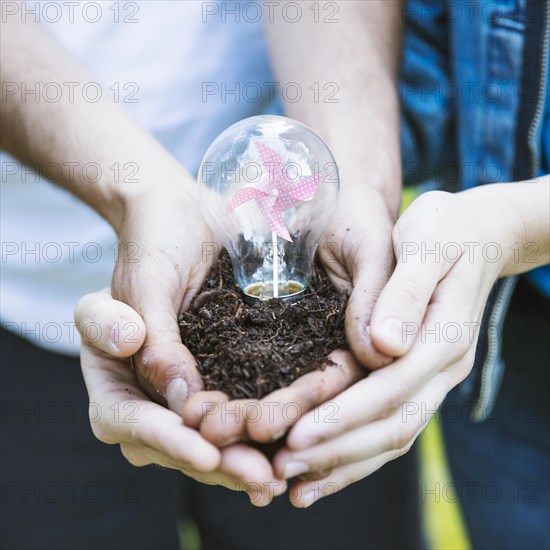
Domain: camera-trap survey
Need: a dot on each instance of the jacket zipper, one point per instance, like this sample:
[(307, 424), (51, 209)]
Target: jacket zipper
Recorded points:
[(481, 408), (533, 130)]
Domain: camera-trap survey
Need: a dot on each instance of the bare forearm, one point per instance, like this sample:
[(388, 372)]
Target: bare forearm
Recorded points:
[(519, 215), (73, 131), (360, 54)]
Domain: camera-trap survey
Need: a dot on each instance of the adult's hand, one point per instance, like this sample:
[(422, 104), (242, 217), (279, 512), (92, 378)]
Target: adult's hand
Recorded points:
[(162, 262), (147, 432), (428, 315), (356, 251)]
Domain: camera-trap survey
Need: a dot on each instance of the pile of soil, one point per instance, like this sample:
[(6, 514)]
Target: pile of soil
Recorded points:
[(249, 349)]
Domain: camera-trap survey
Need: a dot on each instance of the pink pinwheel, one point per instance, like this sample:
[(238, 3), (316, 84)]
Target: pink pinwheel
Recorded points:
[(273, 193)]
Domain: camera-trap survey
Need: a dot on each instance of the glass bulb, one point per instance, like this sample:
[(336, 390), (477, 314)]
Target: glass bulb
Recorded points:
[(268, 187)]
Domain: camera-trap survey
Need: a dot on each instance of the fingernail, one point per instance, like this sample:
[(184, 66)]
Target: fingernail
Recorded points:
[(293, 469), (113, 339), (176, 394), (392, 329), (310, 497)]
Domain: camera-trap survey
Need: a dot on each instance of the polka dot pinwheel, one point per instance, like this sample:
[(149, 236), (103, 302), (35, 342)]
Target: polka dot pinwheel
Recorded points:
[(275, 192)]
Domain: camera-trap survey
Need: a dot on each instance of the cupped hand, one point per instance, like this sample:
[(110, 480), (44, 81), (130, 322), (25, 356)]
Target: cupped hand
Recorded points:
[(165, 253), (428, 316), (148, 433), (356, 251)]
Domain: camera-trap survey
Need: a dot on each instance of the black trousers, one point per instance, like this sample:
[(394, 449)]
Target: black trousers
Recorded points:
[(61, 488)]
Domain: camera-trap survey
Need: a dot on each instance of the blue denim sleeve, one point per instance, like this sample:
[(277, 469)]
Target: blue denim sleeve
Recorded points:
[(427, 125), (546, 131)]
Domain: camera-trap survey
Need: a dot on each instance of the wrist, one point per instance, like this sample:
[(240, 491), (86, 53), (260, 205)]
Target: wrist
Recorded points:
[(514, 219), (152, 193), (377, 167), (383, 187)]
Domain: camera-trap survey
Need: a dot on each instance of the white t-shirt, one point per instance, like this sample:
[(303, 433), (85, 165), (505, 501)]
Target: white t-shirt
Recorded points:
[(185, 70)]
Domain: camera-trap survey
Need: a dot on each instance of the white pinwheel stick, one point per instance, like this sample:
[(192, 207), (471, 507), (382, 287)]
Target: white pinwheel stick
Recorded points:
[(275, 264)]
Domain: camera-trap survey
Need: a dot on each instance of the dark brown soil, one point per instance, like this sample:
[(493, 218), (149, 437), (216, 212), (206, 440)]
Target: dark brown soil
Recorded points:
[(248, 350)]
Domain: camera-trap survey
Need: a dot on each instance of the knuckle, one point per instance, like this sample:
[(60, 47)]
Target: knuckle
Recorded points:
[(411, 294), (403, 437), (395, 392), (354, 475), (462, 367), (435, 199), (144, 434), (201, 478), (329, 460), (134, 457), (314, 397), (459, 350), (469, 357), (152, 365), (219, 433), (397, 396), (337, 458), (149, 358), (459, 347), (428, 208), (102, 433), (403, 450)]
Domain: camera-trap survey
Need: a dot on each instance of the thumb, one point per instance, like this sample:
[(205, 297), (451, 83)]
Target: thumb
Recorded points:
[(165, 368), (109, 325), (402, 305)]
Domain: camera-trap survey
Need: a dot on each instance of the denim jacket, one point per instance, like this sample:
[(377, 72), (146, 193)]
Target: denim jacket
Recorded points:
[(473, 85)]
